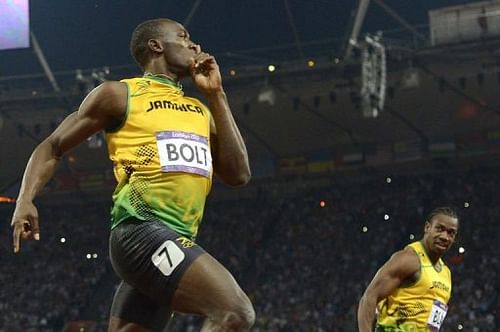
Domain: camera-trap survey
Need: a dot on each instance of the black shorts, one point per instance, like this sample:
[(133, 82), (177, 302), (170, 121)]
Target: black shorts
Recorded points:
[(150, 258)]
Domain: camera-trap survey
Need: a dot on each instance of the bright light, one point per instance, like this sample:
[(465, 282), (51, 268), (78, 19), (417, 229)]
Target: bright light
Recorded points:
[(322, 203), (386, 217), (94, 256), (271, 68), (311, 63), (461, 250), (460, 327), (412, 236), (365, 229), (232, 72), (388, 179), (336, 60), (89, 256), (63, 239), (5, 199), (466, 205)]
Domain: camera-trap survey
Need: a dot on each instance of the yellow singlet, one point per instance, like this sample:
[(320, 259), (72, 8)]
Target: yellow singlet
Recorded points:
[(421, 306), (161, 156)]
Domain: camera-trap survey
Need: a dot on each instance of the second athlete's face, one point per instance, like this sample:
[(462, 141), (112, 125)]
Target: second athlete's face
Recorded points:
[(440, 233)]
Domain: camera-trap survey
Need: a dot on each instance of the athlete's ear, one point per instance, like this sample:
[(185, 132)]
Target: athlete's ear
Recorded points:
[(155, 45), (427, 227)]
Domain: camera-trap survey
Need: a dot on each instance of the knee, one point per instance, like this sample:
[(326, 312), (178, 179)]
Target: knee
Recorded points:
[(247, 315), (239, 318)]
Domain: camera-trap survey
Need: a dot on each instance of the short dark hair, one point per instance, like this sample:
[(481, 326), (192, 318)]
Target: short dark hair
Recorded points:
[(139, 41), (446, 210)]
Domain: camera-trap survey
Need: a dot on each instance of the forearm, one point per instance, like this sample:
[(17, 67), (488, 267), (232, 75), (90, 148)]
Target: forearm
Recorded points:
[(40, 169), (366, 313), (231, 154)]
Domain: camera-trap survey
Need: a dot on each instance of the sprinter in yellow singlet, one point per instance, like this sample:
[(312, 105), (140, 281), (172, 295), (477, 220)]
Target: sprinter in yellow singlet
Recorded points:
[(165, 148), (410, 292)]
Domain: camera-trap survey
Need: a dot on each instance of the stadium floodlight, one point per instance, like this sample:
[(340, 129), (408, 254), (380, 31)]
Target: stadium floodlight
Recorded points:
[(271, 68), (373, 76)]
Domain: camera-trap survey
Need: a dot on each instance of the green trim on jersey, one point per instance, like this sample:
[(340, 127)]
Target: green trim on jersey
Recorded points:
[(164, 80)]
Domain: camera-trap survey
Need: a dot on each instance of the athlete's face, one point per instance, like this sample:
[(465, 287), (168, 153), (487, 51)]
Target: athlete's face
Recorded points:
[(179, 49), (440, 233)]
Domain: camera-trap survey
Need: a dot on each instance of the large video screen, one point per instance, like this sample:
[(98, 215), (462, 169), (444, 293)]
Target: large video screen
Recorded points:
[(14, 24)]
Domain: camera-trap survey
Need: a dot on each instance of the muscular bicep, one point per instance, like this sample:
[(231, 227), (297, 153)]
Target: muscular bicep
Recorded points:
[(100, 109), (402, 266)]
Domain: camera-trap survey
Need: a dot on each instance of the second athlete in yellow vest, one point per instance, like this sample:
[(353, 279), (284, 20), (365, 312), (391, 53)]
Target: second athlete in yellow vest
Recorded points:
[(411, 291)]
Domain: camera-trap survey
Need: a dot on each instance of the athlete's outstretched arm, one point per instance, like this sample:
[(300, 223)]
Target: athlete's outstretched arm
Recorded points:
[(230, 153), (402, 265), (98, 111)]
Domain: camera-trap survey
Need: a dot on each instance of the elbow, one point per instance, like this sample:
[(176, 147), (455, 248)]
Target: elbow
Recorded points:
[(55, 147), (233, 174), (245, 178), (361, 303), (240, 179), (49, 147), (236, 179), (368, 297), (368, 302)]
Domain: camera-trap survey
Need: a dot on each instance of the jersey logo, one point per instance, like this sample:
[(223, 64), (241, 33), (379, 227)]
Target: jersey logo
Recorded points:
[(440, 285), (143, 88), (170, 105), (185, 242), (167, 257)]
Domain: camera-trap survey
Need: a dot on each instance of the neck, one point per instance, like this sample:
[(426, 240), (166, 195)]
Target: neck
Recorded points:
[(168, 77), (164, 78), (432, 256), (159, 68)]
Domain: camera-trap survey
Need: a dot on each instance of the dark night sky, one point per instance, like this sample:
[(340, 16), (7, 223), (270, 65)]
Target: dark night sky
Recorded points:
[(86, 34)]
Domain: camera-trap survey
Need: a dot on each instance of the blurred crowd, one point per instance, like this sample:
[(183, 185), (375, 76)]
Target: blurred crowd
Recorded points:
[(303, 249), (50, 282)]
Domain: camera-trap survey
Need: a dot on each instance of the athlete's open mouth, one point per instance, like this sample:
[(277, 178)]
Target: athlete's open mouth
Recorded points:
[(441, 245)]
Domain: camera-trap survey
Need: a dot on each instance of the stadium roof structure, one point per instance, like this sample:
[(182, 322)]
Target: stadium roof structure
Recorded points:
[(433, 93), (95, 34)]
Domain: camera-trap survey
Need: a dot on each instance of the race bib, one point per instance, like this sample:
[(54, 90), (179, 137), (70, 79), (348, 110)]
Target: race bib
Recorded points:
[(437, 315), (167, 257), (184, 152)]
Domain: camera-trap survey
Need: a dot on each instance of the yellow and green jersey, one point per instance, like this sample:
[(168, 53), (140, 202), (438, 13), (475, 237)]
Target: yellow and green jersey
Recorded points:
[(161, 156), (420, 306)]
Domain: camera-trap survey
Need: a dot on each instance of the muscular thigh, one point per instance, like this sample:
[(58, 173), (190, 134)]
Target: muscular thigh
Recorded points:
[(207, 287)]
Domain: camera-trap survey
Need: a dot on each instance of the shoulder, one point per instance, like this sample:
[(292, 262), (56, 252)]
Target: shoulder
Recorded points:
[(109, 97), (404, 262), (408, 254), (112, 89), (108, 91)]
